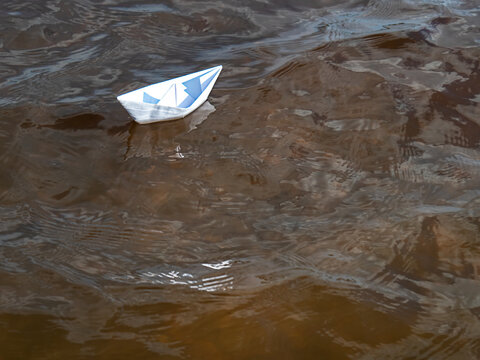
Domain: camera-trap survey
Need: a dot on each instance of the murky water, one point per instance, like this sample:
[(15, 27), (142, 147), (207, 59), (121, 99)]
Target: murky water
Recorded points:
[(324, 204)]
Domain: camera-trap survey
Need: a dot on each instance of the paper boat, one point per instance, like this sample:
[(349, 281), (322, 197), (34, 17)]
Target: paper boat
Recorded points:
[(171, 99)]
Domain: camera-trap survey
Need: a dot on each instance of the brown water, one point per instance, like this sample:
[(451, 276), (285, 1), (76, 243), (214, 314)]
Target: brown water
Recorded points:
[(324, 204)]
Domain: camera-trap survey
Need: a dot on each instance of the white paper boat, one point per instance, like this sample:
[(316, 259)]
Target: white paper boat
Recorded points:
[(171, 99)]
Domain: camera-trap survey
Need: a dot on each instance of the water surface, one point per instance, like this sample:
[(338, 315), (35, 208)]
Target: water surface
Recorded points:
[(323, 204)]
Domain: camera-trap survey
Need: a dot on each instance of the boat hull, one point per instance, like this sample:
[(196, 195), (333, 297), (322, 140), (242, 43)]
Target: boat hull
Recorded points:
[(149, 114)]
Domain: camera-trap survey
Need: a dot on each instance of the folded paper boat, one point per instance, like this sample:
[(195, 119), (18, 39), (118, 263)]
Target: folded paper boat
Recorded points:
[(171, 99)]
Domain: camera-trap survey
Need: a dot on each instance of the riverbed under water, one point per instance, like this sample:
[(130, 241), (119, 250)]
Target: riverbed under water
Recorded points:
[(323, 204)]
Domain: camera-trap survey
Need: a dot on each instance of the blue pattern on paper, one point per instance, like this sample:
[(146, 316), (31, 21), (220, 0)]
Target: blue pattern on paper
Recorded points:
[(193, 87), (149, 99)]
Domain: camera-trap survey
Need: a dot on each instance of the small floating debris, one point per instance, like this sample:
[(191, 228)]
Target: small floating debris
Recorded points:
[(171, 99)]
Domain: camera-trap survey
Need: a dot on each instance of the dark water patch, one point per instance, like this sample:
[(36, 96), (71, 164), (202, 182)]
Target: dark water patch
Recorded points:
[(389, 41), (78, 122)]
